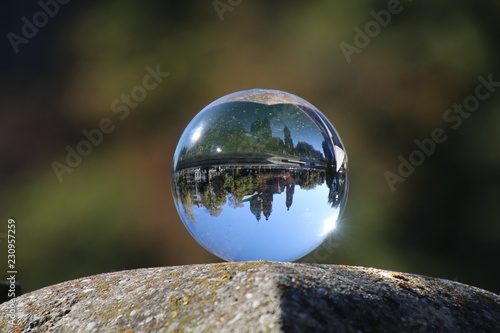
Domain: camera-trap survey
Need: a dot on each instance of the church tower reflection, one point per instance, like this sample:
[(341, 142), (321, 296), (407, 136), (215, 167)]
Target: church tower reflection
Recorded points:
[(290, 188), (257, 206), (267, 198)]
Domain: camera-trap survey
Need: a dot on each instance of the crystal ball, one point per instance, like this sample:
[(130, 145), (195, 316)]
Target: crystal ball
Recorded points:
[(260, 174)]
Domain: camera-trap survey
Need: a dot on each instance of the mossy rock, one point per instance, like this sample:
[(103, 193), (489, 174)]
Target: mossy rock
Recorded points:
[(256, 296)]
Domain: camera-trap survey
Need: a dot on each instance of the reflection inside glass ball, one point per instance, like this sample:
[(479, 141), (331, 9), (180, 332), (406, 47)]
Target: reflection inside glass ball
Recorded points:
[(260, 175)]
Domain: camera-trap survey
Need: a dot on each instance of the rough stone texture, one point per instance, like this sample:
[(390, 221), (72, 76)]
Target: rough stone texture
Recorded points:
[(256, 297)]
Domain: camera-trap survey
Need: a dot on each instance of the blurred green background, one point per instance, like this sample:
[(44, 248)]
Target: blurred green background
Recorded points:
[(114, 211)]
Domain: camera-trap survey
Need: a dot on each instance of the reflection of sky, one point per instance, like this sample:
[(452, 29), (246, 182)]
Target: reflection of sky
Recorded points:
[(288, 235)]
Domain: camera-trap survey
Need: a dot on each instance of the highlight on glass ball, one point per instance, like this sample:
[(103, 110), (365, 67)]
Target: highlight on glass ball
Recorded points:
[(260, 174)]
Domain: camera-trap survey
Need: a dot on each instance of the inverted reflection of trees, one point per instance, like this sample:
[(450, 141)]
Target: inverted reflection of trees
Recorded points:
[(214, 187)]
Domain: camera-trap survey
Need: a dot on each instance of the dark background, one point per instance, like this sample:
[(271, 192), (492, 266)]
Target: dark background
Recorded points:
[(114, 211)]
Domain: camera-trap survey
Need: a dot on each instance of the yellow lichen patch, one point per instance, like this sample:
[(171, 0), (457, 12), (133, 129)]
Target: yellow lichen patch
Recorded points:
[(404, 285), (225, 277), (219, 267), (102, 287), (174, 314), (185, 302), (399, 276)]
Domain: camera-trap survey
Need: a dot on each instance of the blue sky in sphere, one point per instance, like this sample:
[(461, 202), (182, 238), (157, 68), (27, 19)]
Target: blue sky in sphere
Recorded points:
[(236, 235)]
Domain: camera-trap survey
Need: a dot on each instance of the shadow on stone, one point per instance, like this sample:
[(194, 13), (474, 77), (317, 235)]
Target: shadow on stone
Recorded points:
[(355, 299)]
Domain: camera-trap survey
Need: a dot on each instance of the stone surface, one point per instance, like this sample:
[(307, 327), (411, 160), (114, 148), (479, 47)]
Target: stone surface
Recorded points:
[(255, 296)]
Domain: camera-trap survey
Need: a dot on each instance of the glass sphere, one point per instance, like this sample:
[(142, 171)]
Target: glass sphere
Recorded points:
[(260, 174)]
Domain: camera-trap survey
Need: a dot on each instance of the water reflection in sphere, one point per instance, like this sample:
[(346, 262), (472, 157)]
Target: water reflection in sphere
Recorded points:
[(260, 174)]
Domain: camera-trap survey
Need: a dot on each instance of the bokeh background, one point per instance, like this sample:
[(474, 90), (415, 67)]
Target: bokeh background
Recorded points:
[(114, 211)]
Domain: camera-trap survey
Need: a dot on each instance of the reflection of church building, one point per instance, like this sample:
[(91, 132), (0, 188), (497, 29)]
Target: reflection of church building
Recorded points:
[(262, 202), (213, 187)]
